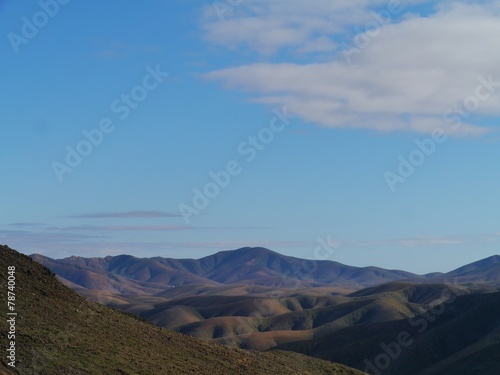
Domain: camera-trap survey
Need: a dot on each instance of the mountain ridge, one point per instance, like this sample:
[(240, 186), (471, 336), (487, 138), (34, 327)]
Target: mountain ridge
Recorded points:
[(247, 266)]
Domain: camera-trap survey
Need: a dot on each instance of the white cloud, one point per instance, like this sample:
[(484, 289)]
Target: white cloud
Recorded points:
[(125, 215), (266, 26), (405, 78)]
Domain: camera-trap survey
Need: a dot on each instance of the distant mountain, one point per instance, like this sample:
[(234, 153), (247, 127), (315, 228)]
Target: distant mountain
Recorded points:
[(248, 266), (121, 274), (60, 332), (125, 274), (483, 271)]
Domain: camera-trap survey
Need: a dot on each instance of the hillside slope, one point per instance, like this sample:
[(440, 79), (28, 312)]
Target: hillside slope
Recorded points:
[(458, 336), (454, 329), (260, 323), (60, 332)]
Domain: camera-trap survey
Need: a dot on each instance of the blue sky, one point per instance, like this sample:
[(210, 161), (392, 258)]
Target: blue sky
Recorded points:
[(386, 145)]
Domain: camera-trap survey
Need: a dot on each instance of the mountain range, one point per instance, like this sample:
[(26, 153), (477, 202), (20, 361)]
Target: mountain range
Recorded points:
[(60, 332), (126, 274), (254, 298)]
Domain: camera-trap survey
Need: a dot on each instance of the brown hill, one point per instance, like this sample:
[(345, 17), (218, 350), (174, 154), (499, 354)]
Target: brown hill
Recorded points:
[(60, 332), (259, 299), (259, 322), (459, 335), (352, 328)]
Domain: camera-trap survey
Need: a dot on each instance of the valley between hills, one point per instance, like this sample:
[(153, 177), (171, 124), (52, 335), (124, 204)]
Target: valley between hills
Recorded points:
[(375, 320)]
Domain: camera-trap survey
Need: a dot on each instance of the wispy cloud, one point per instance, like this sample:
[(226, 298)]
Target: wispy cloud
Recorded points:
[(404, 79), (63, 243), (268, 26), (48, 243), (122, 228), (234, 244), (25, 224), (126, 215), (423, 241), (129, 228)]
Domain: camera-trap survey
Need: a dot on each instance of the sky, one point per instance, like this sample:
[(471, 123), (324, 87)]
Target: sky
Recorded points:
[(183, 128)]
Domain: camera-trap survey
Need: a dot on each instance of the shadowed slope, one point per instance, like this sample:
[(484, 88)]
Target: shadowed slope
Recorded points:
[(353, 328), (463, 331), (261, 322)]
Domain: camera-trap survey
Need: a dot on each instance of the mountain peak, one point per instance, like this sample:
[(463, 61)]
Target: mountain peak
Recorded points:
[(255, 250), (246, 253), (247, 249)]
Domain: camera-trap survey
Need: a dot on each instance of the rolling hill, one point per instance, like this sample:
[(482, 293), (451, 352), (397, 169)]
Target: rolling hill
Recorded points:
[(254, 298), (60, 332), (457, 336)]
